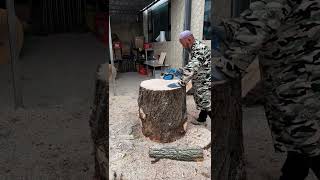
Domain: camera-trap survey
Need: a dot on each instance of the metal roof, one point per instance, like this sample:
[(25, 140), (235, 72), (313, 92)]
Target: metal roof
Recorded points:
[(127, 7)]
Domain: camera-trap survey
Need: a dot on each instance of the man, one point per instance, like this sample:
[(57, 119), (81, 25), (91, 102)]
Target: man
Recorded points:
[(285, 34), (198, 70)]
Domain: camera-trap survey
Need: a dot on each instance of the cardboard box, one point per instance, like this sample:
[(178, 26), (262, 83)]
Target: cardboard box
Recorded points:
[(139, 42)]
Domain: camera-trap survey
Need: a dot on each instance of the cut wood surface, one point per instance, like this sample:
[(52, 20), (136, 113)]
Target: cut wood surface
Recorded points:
[(175, 153), (161, 110), (158, 85), (252, 78)]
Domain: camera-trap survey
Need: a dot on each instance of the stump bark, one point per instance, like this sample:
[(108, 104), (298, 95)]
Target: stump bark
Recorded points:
[(161, 110), (99, 122), (228, 151), (187, 154)]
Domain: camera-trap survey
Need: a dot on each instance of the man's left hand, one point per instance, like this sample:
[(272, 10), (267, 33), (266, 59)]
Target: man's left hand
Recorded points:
[(174, 85)]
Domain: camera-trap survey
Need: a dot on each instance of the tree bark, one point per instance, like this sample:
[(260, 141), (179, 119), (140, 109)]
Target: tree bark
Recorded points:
[(188, 154), (228, 151), (161, 110), (99, 123)]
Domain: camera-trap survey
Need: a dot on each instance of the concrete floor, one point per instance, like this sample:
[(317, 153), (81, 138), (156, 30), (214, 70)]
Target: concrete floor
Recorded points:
[(50, 138)]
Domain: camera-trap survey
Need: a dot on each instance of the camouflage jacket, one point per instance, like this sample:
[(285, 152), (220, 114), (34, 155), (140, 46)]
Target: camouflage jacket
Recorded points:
[(285, 35), (198, 70)]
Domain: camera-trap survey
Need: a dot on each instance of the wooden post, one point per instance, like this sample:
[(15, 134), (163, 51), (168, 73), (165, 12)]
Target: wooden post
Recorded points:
[(99, 122), (112, 60), (228, 151), (12, 24)]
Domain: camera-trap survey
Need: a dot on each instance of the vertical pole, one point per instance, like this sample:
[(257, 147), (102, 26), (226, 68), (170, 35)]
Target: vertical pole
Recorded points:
[(187, 26), (12, 24), (112, 62)]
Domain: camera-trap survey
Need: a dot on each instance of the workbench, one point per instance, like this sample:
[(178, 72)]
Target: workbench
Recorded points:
[(154, 64)]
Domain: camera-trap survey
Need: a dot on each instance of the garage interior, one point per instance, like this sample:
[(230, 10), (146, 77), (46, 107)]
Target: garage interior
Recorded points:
[(60, 45)]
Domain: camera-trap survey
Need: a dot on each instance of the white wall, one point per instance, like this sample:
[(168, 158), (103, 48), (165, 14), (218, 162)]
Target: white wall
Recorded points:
[(173, 48)]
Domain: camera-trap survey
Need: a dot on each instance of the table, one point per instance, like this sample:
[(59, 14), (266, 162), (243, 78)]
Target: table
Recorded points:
[(155, 64)]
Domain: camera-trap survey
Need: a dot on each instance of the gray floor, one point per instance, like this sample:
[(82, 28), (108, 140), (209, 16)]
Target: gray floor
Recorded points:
[(51, 136)]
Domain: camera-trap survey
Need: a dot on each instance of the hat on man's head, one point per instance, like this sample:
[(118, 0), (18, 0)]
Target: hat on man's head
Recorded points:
[(185, 34)]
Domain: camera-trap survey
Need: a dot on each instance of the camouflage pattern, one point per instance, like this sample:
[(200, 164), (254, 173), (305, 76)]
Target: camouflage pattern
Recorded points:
[(285, 34), (198, 70)]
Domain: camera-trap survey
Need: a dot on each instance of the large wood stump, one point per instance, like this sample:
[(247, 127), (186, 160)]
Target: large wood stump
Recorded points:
[(161, 110), (228, 151)]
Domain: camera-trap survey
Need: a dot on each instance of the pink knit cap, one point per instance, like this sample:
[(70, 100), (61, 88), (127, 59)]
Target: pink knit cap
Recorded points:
[(185, 34)]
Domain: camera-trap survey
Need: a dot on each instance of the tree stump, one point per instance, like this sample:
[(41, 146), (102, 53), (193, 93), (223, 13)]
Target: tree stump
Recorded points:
[(228, 151), (161, 110)]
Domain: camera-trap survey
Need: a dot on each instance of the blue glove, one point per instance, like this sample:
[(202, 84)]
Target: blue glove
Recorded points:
[(168, 77), (179, 73), (174, 85)]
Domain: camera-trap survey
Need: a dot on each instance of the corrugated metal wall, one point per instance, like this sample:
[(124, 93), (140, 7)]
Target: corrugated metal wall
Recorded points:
[(57, 16)]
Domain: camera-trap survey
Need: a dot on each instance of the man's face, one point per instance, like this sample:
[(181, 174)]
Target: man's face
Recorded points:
[(184, 43), (187, 43)]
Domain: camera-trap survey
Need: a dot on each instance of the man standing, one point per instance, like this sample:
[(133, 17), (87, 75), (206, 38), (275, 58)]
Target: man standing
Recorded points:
[(285, 34), (198, 70)]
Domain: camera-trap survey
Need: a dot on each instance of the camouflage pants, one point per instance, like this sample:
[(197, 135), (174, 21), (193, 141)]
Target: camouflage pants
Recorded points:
[(202, 95), (295, 126)]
